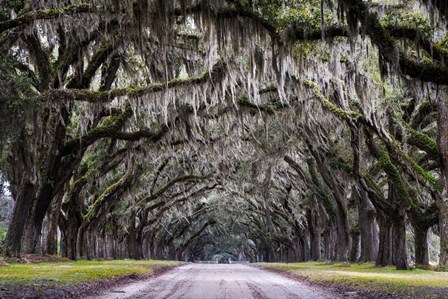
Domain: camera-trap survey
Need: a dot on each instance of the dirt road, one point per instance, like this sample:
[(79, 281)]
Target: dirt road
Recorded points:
[(236, 281)]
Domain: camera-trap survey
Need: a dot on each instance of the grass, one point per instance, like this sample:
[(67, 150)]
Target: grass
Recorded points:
[(367, 277), (76, 272)]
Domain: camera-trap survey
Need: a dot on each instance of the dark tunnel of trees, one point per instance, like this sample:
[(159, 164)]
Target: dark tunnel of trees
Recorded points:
[(260, 130)]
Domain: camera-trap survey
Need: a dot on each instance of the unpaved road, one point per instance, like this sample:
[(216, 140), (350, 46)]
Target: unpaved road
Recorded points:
[(235, 281)]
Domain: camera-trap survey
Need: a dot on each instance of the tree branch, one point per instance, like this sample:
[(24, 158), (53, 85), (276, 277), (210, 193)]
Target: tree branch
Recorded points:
[(45, 14)]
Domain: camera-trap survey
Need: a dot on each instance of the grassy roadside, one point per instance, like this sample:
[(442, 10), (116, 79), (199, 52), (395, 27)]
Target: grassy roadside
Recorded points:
[(72, 276), (366, 278)]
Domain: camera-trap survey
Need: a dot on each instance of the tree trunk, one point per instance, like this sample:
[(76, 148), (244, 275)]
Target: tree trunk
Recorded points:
[(329, 243), (315, 234), (13, 243), (421, 246), (384, 250), (442, 125), (134, 238), (31, 236), (71, 239), (368, 230), (342, 228), (50, 231), (443, 227), (354, 253), (81, 241), (399, 241), (42, 204)]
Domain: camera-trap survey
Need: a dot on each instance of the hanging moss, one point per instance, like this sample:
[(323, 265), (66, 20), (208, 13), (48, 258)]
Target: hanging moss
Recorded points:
[(107, 191), (400, 187), (29, 17), (343, 114), (424, 109), (323, 194), (423, 173), (95, 62), (72, 146), (135, 92), (270, 107), (425, 71), (394, 175), (428, 218), (341, 164), (405, 19)]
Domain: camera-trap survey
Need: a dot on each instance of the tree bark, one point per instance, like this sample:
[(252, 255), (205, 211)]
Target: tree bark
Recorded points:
[(421, 246), (13, 243), (354, 253), (384, 251), (368, 230), (315, 234), (71, 235), (442, 125), (134, 242), (399, 241), (50, 231)]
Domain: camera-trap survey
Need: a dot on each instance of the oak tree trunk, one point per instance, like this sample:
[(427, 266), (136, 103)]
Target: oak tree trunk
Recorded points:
[(442, 125), (385, 245), (13, 242), (367, 227), (400, 256)]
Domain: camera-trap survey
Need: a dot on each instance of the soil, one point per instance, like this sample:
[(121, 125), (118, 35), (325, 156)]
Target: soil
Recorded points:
[(234, 281)]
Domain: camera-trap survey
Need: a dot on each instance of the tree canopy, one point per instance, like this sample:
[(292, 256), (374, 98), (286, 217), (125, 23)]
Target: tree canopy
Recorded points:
[(257, 129)]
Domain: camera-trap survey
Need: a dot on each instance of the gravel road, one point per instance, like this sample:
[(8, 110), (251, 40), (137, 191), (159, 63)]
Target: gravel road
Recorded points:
[(234, 281)]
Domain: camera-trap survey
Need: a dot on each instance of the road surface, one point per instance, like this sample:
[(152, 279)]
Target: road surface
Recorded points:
[(234, 281)]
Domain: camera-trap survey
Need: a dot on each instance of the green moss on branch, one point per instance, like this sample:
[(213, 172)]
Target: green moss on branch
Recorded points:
[(108, 191), (424, 142), (30, 17), (424, 71), (118, 121), (85, 95), (341, 113)]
